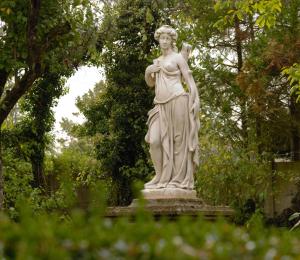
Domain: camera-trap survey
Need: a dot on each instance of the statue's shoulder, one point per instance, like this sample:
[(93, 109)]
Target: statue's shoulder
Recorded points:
[(179, 57), (177, 54), (186, 51)]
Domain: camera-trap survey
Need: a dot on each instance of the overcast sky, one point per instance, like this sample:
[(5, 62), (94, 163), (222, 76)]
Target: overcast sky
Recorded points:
[(83, 80)]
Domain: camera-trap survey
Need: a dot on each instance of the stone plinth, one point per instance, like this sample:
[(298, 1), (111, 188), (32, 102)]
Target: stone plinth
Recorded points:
[(172, 208), (164, 203), (172, 203), (169, 193)]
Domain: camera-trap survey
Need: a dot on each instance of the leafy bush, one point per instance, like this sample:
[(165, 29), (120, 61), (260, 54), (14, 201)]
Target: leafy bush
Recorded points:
[(87, 235), (18, 176), (229, 174), (229, 177), (68, 176)]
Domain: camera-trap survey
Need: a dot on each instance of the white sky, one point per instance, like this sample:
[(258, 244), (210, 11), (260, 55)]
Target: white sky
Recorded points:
[(83, 80)]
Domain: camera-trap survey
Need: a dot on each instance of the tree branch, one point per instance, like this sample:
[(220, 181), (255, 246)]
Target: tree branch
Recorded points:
[(54, 33), (34, 54), (3, 79), (11, 97), (35, 51)]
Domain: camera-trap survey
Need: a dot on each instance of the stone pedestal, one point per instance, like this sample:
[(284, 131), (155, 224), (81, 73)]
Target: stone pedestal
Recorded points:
[(169, 193), (171, 203)]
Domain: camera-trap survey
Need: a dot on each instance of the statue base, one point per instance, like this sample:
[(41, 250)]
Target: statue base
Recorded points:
[(169, 193), (171, 203)]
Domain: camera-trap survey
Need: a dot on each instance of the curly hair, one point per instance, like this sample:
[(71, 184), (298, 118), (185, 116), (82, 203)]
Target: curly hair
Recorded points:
[(168, 30)]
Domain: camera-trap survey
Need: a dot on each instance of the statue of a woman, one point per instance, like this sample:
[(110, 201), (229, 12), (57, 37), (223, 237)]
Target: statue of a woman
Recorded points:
[(173, 122)]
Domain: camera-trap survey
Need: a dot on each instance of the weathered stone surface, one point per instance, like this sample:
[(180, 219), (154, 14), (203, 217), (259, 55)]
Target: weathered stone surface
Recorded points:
[(163, 202), (172, 208), (169, 193), (173, 123)]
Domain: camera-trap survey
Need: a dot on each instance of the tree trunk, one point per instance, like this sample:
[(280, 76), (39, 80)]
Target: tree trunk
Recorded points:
[(121, 193), (243, 103), (38, 173), (295, 131), (1, 174), (238, 42), (258, 134), (3, 79)]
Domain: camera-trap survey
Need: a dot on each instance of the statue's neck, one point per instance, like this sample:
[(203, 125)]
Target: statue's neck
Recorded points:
[(166, 52)]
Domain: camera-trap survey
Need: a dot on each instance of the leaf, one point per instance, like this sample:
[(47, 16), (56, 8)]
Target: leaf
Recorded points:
[(149, 16), (296, 225), (260, 21), (277, 7), (268, 23), (239, 15), (8, 11), (261, 7), (295, 215), (217, 6), (144, 38)]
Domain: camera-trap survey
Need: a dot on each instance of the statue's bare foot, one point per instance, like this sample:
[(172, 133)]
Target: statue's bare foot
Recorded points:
[(155, 186), (160, 186), (150, 186), (171, 186)]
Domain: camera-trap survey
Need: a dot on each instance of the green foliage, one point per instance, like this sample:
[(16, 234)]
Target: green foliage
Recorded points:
[(55, 17), (78, 162), (265, 11), (229, 174), (230, 177), (247, 114), (40, 42), (238, 71), (26, 142), (89, 236), (37, 122), (41, 38), (18, 178), (117, 110), (68, 176), (293, 73)]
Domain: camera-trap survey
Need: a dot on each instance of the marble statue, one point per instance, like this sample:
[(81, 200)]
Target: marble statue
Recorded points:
[(173, 123)]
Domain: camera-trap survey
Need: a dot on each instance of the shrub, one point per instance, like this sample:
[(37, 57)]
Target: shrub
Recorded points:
[(87, 235)]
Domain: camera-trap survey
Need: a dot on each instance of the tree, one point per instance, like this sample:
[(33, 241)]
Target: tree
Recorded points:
[(266, 12), (219, 57), (117, 110), (35, 36), (240, 44), (38, 122)]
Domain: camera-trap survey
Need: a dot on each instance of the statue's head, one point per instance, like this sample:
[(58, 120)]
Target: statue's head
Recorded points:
[(167, 29)]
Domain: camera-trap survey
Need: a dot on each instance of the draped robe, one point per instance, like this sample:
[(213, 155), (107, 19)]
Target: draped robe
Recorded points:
[(178, 132)]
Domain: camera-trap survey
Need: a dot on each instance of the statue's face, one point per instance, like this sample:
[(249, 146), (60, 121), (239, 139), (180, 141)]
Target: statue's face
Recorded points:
[(165, 41)]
